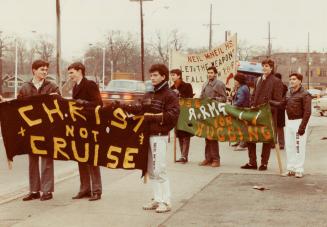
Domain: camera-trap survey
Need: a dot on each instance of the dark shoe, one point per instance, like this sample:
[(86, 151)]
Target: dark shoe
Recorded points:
[(281, 147), (95, 197), (46, 196), (249, 166), (32, 196), (182, 160), (263, 167), (215, 163), (82, 195), (205, 162), (235, 144)]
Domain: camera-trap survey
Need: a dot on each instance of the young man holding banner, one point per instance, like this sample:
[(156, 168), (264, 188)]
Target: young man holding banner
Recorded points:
[(268, 87), (161, 110), (86, 92), (214, 89), (39, 181), (183, 90)]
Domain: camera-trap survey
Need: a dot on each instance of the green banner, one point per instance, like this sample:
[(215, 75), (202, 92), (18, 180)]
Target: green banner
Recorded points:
[(223, 122)]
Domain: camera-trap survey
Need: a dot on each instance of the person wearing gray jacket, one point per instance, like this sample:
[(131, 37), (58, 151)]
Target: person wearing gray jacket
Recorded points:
[(214, 89), (39, 180)]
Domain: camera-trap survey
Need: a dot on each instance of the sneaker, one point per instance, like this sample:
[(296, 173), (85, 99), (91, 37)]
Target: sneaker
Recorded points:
[(163, 208), (182, 160), (240, 148), (215, 163), (249, 166), (235, 144), (263, 167), (205, 162), (152, 205), (288, 174), (298, 175)]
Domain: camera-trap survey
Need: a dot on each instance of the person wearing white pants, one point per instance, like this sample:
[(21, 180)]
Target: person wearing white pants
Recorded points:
[(295, 148), (298, 112), (161, 110), (157, 169)]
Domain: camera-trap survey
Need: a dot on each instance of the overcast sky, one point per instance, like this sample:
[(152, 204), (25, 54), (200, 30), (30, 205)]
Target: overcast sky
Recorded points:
[(86, 21)]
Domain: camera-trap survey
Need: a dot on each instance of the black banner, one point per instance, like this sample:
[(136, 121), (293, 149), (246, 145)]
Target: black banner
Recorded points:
[(64, 130)]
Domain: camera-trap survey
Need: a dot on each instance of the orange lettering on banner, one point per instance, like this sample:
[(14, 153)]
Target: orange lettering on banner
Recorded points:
[(197, 103), (231, 134), (210, 133), (229, 120), (199, 129), (221, 121), (240, 134), (188, 103), (220, 133), (253, 132), (266, 133)]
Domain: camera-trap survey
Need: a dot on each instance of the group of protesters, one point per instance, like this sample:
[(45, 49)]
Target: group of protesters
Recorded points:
[(290, 108), (161, 110)]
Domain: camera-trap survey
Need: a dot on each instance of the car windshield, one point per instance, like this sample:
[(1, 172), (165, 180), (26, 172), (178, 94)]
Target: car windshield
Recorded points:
[(125, 85)]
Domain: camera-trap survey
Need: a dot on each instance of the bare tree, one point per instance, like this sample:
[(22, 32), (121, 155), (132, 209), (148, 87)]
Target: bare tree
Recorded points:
[(247, 51), (45, 48), (174, 41)]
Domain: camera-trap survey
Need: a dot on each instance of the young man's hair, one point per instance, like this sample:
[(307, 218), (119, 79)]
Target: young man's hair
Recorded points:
[(77, 66), (278, 75), (240, 77), (39, 63), (297, 75), (178, 72), (161, 69), (212, 68), (270, 62)]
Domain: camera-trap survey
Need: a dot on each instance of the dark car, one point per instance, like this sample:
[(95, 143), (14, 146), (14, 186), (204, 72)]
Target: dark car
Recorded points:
[(124, 91)]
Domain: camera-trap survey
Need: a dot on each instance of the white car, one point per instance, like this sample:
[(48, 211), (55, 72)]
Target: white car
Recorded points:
[(319, 106)]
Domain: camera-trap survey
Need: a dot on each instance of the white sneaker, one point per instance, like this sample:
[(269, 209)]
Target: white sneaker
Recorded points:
[(298, 175), (152, 205), (288, 174), (163, 208)]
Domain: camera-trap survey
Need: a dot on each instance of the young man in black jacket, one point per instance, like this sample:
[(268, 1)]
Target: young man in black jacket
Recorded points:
[(39, 181), (86, 92), (268, 87), (183, 90), (161, 110)]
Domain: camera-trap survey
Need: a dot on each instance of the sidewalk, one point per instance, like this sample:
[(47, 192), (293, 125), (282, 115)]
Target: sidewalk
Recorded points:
[(124, 192)]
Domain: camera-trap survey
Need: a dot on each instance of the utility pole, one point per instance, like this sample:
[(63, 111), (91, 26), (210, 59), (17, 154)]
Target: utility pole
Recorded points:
[(142, 35), (308, 60), (58, 57), (269, 42), (1, 48), (210, 28)]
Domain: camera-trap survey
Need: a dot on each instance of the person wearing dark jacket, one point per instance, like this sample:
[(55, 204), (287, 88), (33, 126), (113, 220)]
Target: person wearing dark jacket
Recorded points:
[(214, 89), (241, 99), (39, 181), (281, 117), (161, 110), (267, 88), (86, 92), (298, 110), (183, 90)]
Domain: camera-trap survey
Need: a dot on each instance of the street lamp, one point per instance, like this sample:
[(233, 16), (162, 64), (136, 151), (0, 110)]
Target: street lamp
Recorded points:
[(142, 36)]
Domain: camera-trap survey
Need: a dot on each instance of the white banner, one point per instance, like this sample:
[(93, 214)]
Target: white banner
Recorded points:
[(194, 66)]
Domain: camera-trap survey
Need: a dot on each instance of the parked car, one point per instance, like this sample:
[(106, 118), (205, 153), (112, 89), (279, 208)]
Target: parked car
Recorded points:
[(319, 106), (123, 91)]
